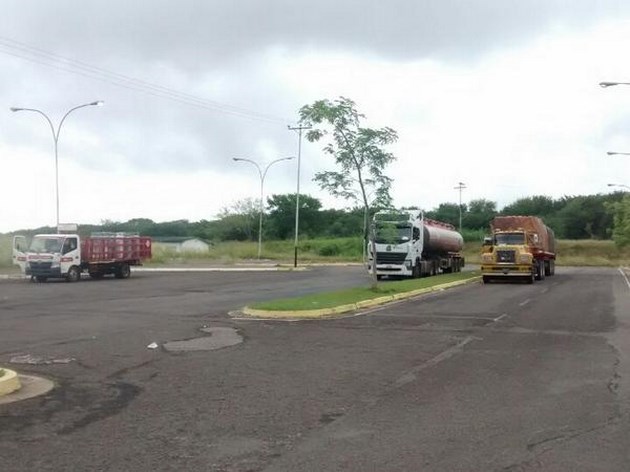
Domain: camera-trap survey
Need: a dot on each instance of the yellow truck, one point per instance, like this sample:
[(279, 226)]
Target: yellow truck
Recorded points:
[(519, 247)]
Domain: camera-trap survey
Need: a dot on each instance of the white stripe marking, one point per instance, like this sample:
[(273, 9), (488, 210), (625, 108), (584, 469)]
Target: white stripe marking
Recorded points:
[(500, 317), (523, 303), (625, 277)]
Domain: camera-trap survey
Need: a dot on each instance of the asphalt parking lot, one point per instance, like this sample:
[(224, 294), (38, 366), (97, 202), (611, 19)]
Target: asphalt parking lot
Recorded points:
[(499, 377)]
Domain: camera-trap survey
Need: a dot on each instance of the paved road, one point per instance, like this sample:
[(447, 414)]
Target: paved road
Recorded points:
[(500, 377)]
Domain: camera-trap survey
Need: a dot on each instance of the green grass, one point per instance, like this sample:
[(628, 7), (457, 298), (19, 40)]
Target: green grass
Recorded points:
[(230, 252), (345, 297)]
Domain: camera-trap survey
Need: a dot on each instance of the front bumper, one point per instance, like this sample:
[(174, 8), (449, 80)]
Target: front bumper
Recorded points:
[(507, 270)]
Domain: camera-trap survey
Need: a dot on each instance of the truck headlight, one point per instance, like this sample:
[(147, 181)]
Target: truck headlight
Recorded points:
[(486, 258), (525, 258), (408, 264)]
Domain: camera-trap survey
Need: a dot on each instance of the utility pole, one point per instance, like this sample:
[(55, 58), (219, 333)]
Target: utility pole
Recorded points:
[(461, 186), (299, 129)]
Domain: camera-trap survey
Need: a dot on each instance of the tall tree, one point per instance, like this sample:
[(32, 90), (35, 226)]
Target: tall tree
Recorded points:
[(358, 153), (282, 215), (621, 212), (479, 214)]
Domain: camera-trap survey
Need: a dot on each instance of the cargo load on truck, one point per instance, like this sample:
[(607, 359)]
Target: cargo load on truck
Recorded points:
[(519, 247), (410, 245), (66, 256)]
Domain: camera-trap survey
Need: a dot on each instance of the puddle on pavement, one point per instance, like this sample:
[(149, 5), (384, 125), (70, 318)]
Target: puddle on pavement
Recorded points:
[(219, 338)]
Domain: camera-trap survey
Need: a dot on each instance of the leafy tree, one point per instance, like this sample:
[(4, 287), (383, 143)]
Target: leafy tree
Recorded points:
[(621, 214), (538, 205), (447, 213), (358, 153), (238, 222), (479, 214), (282, 215)]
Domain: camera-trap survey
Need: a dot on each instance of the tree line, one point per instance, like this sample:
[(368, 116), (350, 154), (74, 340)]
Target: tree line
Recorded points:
[(601, 216)]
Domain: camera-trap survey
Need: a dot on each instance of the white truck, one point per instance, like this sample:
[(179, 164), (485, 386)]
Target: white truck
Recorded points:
[(410, 245), (66, 256)]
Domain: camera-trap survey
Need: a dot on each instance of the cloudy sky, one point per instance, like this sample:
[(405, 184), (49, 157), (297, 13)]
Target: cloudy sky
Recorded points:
[(502, 95)]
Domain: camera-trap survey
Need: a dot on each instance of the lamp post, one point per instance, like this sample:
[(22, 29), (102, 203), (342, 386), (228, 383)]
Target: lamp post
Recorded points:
[(262, 174), (612, 84), (299, 129), (461, 186), (619, 185), (55, 134)]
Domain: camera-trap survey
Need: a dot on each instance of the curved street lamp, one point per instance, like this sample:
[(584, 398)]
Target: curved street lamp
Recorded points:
[(262, 174), (55, 134), (612, 84), (619, 185)]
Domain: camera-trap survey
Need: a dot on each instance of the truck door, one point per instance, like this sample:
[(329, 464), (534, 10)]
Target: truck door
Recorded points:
[(70, 254), (19, 252)]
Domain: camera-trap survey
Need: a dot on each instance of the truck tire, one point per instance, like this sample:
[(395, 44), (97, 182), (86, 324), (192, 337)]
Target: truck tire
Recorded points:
[(74, 274), (416, 270), (41, 279), (540, 270), (552, 267), (547, 268), (486, 279), (123, 271)]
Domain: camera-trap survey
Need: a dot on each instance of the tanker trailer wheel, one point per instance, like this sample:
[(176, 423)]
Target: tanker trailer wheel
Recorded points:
[(540, 270), (552, 267), (74, 274), (547, 268), (123, 271)]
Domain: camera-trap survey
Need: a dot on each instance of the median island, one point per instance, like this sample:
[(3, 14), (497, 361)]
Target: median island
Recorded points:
[(332, 304)]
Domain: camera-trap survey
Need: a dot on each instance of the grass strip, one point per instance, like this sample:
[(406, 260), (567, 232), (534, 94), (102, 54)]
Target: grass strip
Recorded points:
[(317, 301)]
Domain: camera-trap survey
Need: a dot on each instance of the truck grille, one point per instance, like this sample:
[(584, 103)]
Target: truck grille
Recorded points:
[(506, 256), (41, 265), (391, 257)]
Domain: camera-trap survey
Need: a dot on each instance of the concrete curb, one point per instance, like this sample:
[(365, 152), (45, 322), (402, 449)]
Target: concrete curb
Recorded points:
[(341, 309), (9, 382)]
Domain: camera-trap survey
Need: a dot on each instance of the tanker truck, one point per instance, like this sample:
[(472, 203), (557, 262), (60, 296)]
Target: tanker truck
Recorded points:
[(519, 247), (65, 255), (410, 245)]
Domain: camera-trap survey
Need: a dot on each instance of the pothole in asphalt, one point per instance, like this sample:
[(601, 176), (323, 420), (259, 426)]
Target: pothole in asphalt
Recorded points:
[(219, 338), (31, 386)]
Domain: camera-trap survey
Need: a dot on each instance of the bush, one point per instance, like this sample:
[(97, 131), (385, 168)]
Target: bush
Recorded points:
[(329, 250)]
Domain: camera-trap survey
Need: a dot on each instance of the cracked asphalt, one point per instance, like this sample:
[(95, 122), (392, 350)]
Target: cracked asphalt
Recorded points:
[(499, 377)]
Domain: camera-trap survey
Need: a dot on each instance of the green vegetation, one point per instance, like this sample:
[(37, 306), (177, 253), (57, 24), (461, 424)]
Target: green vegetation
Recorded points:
[(1, 372), (345, 297)]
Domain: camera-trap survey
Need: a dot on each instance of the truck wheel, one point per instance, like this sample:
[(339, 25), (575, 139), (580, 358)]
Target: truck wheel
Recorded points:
[(123, 271), (547, 268), (552, 267), (41, 279), (74, 274), (540, 270), (486, 279), (416, 270), (530, 278)]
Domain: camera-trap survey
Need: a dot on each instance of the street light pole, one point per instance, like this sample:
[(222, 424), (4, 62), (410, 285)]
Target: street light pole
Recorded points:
[(55, 134), (262, 175), (461, 186), (299, 129), (619, 185), (612, 84)]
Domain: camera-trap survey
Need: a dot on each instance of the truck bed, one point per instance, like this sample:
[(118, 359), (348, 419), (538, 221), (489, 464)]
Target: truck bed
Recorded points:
[(131, 249)]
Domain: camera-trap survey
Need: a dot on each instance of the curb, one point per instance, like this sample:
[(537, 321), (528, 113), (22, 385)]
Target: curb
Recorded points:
[(9, 382), (341, 309)]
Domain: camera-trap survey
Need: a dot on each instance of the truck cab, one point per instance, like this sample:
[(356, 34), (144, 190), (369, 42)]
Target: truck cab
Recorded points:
[(507, 254), (51, 256)]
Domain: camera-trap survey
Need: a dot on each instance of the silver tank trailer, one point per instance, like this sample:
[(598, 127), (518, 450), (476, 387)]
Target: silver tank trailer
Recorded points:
[(439, 240)]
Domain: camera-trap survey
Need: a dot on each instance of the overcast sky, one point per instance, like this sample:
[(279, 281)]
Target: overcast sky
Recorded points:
[(499, 94)]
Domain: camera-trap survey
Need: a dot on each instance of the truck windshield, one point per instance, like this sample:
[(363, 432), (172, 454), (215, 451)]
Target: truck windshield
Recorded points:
[(392, 234), (509, 238), (46, 244)]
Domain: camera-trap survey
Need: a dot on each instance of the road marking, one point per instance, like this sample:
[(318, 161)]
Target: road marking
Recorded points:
[(625, 277), (523, 303), (544, 290), (412, 374), (500, 317)]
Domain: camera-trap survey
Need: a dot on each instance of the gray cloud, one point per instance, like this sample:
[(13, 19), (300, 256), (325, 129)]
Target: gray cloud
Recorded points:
[(201, 34)]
